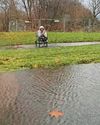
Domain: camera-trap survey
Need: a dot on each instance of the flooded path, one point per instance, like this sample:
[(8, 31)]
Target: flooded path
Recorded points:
[(50, 45), (27, 97)]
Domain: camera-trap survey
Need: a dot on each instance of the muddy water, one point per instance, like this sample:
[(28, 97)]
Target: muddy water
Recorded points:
[(26, 97)]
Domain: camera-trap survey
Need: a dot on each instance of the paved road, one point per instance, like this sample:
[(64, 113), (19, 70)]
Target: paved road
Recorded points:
[(50, 45)]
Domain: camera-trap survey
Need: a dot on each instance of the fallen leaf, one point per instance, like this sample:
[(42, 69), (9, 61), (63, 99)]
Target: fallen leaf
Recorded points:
[(56, 113)]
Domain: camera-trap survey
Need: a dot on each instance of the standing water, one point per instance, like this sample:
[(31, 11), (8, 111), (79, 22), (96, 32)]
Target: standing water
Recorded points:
[(27, 97)]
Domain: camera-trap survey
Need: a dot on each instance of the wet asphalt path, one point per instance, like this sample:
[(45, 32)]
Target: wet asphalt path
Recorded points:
[(50, 45)]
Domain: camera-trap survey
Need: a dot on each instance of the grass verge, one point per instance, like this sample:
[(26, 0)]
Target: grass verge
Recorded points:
[(48, 57), (13, 38)]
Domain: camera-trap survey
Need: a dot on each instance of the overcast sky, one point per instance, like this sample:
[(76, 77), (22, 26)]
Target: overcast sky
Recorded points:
[(85, 2)]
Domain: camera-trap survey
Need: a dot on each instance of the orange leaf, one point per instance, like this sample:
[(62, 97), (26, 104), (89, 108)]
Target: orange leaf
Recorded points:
[(56, 113)]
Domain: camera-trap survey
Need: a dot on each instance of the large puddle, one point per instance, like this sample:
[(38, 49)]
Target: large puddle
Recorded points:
[(26, 97)]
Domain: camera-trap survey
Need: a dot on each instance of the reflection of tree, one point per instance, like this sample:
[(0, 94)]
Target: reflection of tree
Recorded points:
[(8, 92)]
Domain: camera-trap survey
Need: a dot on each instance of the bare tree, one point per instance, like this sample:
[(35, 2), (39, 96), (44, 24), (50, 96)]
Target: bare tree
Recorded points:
[(9, 11), (43, 9), (95, 8), (4, 5)]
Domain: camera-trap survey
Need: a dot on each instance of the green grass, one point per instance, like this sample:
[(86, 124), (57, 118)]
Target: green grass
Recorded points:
[(48, 57), (14, 38)]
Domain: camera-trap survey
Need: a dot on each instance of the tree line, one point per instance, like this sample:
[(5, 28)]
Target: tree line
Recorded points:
[(46, 9)]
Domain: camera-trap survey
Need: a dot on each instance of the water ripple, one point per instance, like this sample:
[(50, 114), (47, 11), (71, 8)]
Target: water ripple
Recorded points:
[(26, 97)]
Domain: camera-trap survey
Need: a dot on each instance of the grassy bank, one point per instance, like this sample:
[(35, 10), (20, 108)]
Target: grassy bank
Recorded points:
[(14, 38), (48, 57)]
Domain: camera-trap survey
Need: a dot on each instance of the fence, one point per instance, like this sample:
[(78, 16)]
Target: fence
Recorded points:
[(61, 25)]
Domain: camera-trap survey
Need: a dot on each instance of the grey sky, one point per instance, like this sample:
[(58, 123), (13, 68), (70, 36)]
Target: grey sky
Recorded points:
[(85, 2)]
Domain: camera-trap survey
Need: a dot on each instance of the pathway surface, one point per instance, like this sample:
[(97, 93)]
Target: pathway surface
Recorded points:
[(50, 45)]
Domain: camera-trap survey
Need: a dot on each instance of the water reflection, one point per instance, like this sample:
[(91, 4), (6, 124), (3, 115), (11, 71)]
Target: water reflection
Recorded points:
[(26, 97)]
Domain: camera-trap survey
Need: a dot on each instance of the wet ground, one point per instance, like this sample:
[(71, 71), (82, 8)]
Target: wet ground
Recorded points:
[(27, 97), (50, 45)]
